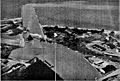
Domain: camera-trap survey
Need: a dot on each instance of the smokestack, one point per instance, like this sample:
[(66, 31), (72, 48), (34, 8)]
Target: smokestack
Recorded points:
[(30, 20)]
